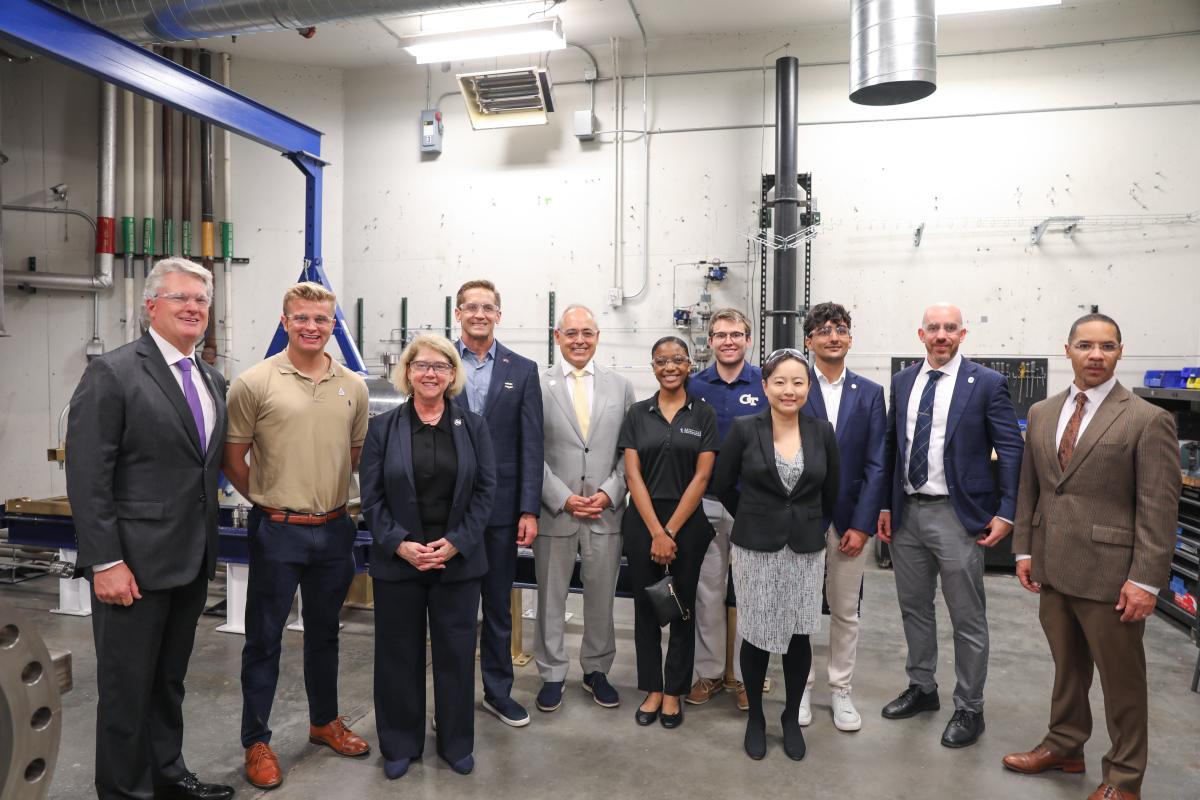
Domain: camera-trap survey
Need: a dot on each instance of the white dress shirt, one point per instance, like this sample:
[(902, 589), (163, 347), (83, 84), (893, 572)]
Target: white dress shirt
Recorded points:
[(207, 408), (944, 391), (588, 380), (1095, 396), (831, 393)]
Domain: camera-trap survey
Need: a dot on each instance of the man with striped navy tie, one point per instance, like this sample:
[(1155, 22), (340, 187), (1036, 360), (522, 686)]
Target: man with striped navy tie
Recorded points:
[(946, 416)]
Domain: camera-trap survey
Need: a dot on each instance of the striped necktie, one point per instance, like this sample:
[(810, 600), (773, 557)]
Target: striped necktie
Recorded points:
[(918, 458)]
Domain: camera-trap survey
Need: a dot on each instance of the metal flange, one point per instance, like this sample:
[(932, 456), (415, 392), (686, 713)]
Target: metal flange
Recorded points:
[(30, 709)]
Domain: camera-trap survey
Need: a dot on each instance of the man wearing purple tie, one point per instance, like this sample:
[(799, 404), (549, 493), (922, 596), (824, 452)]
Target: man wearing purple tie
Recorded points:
[(147, 425)]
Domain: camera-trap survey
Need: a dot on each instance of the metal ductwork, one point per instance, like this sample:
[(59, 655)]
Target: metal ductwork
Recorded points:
[(893, 51), (145, 21)]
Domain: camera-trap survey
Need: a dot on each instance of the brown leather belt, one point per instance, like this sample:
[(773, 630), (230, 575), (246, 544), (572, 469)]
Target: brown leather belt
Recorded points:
[(298, 518)]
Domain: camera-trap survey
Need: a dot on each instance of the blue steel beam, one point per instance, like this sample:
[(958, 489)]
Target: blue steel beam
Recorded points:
[(55, 33)]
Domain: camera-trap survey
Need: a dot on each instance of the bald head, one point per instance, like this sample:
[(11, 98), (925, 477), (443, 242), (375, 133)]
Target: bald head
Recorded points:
[(941, 332), (942, 311)]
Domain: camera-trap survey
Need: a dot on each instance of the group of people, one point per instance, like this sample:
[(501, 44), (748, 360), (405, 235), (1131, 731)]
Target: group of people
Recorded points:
[(762, 484)]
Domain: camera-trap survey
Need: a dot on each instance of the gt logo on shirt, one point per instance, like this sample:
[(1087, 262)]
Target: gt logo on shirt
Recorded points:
[(748, 400)]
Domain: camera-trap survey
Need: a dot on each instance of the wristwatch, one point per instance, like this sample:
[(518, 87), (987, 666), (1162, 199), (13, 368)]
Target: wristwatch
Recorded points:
[(669, 532)]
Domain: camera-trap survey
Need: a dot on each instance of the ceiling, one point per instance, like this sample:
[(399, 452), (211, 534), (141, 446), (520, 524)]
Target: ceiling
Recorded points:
[(373, 42)]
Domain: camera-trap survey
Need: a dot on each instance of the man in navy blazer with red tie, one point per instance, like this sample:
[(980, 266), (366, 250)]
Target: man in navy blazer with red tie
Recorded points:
[(947, 414), (854, 406)]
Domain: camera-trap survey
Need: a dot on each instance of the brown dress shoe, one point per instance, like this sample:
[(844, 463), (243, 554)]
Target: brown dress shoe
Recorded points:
[(703, 691), (1039, 760), (739, 694), (1106, 791), (262, 767), (338, 738)]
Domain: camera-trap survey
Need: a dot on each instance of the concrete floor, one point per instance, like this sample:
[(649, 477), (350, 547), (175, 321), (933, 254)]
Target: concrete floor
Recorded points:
[(583, 750)]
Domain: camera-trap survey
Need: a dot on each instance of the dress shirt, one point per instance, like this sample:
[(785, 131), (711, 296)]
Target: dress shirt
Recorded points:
[(435, 468), (479, 375), (943, 392), (589, 380), (1095, 397), (172, 356), (831, 393)]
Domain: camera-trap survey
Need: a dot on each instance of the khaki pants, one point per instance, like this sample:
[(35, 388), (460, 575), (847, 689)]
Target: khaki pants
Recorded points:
[(843, 580)]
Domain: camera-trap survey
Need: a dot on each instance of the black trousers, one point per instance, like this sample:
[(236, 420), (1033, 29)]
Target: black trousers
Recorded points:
[(495, 634), (142, 654), (320, 560), (675, 678), (401, 608)]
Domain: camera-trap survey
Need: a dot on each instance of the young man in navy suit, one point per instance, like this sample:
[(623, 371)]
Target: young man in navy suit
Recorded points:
[(946, 416), (503, 388), (854, 406)]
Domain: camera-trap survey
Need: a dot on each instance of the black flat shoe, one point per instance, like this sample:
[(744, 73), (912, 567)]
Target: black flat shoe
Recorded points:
[(793, 737), (912, 701), (755, 742), (963, 729), (646, 717), (672, 720)]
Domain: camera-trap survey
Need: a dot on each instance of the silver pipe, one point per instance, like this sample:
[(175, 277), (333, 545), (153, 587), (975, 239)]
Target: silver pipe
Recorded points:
[(52, 210), (893, 51), (106, 179), (646, 151), (618, 260), (52, 280), (128, 209), (227, 211)]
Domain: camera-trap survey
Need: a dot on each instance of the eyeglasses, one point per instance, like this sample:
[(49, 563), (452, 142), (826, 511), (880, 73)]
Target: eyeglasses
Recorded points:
[(202, 300), (438, 367), (732, 336), (828, 330), (474, 308), (321, 321), (678, 361), (1087, 347), (587, 334)]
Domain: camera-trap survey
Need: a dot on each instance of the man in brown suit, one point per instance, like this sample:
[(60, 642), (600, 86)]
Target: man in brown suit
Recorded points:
[(1095, 528)]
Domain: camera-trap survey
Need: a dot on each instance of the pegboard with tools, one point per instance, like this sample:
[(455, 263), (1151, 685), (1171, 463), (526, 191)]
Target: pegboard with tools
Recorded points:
[(1026, 379)]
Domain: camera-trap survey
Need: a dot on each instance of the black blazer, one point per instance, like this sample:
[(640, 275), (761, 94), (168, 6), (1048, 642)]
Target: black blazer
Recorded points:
[(389, 497), (140, 489), (766, 517)]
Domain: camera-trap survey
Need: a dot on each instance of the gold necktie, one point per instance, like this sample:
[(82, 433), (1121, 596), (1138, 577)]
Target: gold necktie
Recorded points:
[(582, 414)]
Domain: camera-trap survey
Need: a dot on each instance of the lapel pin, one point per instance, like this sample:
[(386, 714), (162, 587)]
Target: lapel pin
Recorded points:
[(458, 421), (971, 379), (854, 386), (504, 360), (341, 392), (508, 384)]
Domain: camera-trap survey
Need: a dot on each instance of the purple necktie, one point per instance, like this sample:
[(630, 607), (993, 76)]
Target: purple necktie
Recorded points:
[(193, 400)]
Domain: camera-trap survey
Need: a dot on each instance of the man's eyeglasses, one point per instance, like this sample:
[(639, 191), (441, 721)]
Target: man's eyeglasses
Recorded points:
[(202, 300), (1087, 347), (438, 367), (474, 308), (732, 336), (320, 320), (829, 330), (587, 334), (678, 361)]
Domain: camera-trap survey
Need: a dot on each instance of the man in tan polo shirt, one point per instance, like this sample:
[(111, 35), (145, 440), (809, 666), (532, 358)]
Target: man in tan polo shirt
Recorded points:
[(302, 417)]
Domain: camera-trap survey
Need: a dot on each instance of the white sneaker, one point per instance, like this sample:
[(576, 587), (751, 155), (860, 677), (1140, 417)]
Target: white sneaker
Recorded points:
[(806, 709), (845, 715)]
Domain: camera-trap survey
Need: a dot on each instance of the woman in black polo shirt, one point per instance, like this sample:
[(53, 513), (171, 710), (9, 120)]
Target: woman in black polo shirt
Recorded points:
[(670, 443)]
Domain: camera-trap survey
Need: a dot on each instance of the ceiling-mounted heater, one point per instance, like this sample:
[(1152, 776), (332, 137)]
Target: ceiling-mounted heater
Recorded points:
[(507, 98)]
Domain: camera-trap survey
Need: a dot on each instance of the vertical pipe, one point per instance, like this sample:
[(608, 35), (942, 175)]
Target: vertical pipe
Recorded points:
[(358, 323), (106, 201), (168, 173), (403, 322), (127, 211), (550, 333), (185, 170), (449, 314), (227, 228), (207, 218), (787, 201), (148, 237)]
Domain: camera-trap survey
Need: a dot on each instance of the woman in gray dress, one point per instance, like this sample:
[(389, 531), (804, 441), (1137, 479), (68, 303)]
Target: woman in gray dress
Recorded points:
[(777, 473)]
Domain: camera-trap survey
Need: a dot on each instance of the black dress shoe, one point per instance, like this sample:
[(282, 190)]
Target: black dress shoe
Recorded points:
[(912, 701), (963, 729), (793, 737), (672, 720), (755, 742), (189, 787), (645, 717)]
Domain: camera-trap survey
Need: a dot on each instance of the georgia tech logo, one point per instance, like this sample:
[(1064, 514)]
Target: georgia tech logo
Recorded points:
[(748, 400)]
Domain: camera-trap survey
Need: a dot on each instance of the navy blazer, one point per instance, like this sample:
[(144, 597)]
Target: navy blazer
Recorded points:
[(861, 434), (768, 517), (513, 413), (389, 496), (981, 418)]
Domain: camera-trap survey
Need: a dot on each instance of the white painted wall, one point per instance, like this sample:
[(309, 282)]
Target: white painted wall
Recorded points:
[(48, 129)]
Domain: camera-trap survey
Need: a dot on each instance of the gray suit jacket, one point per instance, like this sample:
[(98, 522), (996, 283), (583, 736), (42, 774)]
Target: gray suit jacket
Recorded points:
[(1110, 517), (140, 489), (575, 466)]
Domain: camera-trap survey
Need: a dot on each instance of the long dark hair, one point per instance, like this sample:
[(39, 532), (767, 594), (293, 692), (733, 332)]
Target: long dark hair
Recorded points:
[(686, 350)]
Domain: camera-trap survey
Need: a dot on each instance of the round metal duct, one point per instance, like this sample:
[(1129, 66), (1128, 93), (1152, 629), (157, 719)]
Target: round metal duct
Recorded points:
[(893, 51)]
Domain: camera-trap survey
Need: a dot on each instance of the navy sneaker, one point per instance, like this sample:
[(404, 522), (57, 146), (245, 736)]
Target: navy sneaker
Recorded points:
[(465, 764), (509, 711), (550, 697), (601, 690)]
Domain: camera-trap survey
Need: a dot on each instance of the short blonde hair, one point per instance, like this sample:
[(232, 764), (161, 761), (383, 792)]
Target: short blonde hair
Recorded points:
[(307, 290), (440, 345)]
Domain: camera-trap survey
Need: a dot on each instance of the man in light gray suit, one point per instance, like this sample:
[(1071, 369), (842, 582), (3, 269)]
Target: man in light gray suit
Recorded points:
[(583, 497)]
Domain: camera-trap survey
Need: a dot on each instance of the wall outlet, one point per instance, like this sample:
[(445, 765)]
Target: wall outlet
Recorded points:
[(615, 297)]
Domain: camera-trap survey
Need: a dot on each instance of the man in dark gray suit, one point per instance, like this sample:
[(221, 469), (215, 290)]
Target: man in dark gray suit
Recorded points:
[(583, 497), (147, 426)]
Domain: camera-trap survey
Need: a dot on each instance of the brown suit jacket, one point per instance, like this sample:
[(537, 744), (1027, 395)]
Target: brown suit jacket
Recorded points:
[(1111, 516)]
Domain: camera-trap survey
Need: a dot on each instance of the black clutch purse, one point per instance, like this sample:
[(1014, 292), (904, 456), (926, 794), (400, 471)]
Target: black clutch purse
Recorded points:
[(667, 606)]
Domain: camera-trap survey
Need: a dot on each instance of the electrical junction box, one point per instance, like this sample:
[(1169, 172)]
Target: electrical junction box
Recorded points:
[(431, 131), (585, 125)]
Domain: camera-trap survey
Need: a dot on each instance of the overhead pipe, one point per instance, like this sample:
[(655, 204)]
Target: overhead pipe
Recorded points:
[(227, 228), (127, 219), (893, 51), (209, 353), (785, 315), (168, 173)]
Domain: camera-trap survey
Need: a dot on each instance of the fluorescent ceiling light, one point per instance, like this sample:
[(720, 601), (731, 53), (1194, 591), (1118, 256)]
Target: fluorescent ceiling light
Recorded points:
[(537, 36), (945, 7)]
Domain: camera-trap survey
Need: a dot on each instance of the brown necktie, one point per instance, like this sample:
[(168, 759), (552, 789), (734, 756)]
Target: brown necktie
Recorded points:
[(1066, 448)]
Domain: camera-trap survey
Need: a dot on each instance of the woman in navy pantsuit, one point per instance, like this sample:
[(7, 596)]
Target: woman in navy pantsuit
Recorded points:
[(428, 478)]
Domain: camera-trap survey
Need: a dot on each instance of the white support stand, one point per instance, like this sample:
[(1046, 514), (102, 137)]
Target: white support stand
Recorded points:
[(236, 578), (74, 594)]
